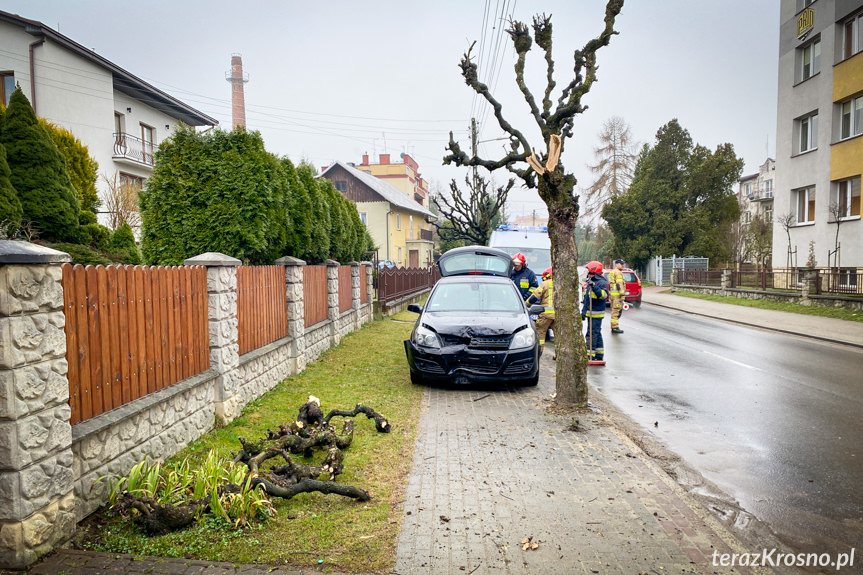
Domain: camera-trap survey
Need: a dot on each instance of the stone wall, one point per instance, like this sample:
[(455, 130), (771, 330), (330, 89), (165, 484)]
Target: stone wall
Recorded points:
[(803, 297), (49, 470)]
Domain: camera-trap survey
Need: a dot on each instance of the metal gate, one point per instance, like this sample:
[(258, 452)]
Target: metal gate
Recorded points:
[(659, 268)]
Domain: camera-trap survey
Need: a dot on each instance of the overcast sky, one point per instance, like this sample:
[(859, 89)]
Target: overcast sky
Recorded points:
[(333, 80)]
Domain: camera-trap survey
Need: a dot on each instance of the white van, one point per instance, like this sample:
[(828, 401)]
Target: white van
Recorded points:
[(533, 242)]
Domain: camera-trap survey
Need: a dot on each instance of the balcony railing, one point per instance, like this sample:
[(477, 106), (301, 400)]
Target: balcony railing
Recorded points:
[(132, 148)]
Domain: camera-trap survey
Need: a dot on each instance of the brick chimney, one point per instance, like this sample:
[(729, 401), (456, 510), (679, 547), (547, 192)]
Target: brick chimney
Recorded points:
[(365, 160), (238, 102), (385, 158)]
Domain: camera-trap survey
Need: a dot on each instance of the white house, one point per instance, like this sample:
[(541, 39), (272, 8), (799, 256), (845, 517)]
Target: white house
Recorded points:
[(119, 117)]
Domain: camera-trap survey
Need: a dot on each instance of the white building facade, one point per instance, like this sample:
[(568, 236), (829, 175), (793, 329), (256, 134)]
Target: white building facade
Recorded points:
[(119, 117)]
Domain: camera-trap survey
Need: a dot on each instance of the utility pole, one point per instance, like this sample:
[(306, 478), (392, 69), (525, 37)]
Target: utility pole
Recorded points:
[(473, 138)]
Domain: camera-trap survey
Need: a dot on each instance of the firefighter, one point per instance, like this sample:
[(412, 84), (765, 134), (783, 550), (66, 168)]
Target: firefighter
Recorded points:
[(523, 276), (617, 291), (593, 309), (544, 295)]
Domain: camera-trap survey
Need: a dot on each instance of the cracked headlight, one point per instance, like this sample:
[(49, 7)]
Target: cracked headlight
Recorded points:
[(425, 337), (523, 338)]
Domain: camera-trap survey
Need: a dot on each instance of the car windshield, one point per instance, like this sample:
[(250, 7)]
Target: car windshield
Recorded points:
[(474, 296), (474, 262), (630, 277)]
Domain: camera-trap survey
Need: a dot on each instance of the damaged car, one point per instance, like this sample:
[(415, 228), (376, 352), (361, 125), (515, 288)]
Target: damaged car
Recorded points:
[(474, 327)]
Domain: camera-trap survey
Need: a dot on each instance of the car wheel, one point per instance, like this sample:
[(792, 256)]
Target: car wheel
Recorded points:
[(638, 303), (416, 378)]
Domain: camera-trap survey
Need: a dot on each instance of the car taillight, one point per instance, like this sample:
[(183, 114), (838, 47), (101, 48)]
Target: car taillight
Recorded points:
[(639, 282)]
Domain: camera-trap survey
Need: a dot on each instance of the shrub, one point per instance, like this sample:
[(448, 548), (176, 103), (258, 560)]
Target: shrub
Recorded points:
[(81, 254), (212, 192), (96, 236), (38, 173)]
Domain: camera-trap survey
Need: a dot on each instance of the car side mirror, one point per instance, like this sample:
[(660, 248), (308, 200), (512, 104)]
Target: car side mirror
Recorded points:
[(536, 309), (415, 308)]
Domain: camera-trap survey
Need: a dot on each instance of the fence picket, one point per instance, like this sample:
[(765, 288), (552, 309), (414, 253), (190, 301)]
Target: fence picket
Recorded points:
[(123, 337), (71, 330), (100, 367)]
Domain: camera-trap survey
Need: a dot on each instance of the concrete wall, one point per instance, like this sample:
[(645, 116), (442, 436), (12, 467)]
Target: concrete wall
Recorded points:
[(48, 468)]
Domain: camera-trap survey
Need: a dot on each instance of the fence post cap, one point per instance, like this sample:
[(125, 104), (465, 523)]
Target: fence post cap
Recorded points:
[(21, 252), (366, 263), (212, 259), (353, 263), (331, 263), (289, 261)]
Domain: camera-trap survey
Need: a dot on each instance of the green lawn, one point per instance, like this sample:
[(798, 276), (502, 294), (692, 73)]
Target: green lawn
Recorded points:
[(839, 313), (324, 531)]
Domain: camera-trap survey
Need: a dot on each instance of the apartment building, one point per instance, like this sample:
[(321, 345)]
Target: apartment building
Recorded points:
[(819, 148), (755, 198)]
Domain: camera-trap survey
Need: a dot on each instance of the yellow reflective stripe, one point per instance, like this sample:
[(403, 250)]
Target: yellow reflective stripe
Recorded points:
[(524, 283), (595, 314)]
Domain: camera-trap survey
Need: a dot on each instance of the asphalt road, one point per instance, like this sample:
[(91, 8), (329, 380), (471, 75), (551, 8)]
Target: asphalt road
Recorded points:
[(773, 420)]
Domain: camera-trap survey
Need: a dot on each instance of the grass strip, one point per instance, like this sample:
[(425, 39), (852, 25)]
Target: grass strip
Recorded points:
[(367, 367), (816, 310)]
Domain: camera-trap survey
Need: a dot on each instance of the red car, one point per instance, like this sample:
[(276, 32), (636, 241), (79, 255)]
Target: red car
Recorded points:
[(633, 287)]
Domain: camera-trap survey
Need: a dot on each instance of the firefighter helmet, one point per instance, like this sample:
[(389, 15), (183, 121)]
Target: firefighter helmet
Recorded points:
[(546, 275), (594, 267), (519, 258)]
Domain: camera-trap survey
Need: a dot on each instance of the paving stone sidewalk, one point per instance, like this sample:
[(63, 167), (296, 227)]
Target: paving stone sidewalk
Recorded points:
[(492, 468)]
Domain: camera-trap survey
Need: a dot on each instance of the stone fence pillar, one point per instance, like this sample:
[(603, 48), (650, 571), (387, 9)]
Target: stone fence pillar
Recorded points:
[(37, 503), (725, 282), (370, 285), (808, 286), (333, 300), (224, 336), (296, 310), (355, 294)]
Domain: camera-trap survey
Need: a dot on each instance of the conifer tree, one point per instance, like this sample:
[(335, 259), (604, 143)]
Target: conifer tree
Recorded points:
[(38, 173), (10, 205), (319, 247), (83, 170)]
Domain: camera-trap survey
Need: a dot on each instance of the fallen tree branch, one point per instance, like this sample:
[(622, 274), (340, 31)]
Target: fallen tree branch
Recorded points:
[(381, 424)]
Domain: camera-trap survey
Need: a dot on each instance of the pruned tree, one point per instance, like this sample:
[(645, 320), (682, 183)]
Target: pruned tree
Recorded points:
[(787, 221), (759, 240), (615, 158), (546, 174), (121, 202), (837, 212), (472, 217)]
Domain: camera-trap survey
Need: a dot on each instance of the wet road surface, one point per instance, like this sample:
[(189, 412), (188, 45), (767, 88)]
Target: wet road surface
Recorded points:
[(775, 421)]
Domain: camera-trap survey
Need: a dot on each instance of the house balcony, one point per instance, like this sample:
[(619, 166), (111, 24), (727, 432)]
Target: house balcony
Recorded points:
[(761, 196), (136, 150)]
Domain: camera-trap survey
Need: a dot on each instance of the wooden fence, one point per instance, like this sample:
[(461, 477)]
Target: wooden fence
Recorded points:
[(315, 294), (262, 312), (131, 331), (346, 300)]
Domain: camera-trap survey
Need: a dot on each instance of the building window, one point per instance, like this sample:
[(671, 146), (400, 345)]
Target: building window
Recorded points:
[(848, 200), (807, 129), (747, 217), (341, 185), (411, 226), (136, 182), (399, 260), (147, 138), (364, 218), (851, 122), (747, 189), (852, 40), (805, 205), (399, 224), (810, 59), (768, 214), (768, 188), (7, 86)]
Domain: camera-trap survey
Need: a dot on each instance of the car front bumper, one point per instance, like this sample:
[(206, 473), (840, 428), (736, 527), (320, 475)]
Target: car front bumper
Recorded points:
[(460, 364)]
